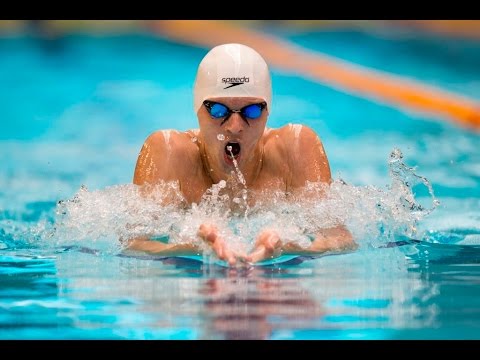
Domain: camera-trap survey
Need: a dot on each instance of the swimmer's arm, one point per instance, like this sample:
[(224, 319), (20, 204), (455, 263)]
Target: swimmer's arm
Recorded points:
[(143, 243), (207, 233), (159, 158), (269, 244), (308, 161), (336, 239), (148, 167)]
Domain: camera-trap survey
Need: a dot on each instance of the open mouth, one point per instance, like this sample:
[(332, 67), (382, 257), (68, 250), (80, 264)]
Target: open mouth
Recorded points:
[(232, 148)]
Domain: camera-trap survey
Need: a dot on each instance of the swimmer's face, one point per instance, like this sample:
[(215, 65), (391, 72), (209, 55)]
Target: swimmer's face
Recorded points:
[(238, 133)]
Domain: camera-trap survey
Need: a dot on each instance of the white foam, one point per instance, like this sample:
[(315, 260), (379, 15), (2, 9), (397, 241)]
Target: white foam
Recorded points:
[(99, 218)]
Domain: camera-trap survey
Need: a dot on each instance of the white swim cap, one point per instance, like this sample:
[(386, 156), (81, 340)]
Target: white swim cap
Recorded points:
[(232, 70)]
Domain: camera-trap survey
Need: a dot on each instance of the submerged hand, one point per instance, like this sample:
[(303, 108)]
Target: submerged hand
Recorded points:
[(267, 246), (209, 234)]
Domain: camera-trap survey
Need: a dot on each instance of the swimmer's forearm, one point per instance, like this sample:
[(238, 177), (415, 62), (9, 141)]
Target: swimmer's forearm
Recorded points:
[(159, 248), (335, 239)]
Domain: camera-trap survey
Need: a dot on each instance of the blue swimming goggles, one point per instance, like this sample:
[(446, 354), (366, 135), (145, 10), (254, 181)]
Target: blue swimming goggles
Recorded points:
[(219, 111)]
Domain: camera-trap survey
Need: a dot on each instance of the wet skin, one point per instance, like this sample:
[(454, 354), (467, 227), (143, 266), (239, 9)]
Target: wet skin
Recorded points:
[(281, 159)]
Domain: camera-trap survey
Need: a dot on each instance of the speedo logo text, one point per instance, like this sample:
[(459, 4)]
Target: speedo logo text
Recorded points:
[(235, 81)]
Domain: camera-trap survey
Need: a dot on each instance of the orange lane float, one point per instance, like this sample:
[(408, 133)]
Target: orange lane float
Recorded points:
[(401, 92)]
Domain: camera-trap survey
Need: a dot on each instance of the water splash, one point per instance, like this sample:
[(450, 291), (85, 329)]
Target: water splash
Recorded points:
[(242, 181), (100, 219), (404, 176), (240, 176)]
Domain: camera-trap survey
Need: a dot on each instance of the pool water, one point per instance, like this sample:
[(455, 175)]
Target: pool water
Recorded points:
[(75, 112)]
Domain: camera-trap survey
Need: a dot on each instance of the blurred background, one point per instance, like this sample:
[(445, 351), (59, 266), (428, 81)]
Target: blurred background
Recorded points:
[(458, 28)]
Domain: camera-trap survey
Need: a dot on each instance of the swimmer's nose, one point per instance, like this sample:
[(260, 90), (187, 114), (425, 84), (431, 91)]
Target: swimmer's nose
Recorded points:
[(235, 124)]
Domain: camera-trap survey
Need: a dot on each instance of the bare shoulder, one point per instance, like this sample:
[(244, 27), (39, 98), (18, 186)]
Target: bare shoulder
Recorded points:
[(293, 137), (303, 149), (161, 154), (171, 140), (298, 132)]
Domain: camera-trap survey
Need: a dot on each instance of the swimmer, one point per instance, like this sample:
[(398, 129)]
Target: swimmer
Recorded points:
[(232, 100)]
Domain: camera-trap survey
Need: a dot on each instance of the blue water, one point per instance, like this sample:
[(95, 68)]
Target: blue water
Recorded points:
[(76, 111)]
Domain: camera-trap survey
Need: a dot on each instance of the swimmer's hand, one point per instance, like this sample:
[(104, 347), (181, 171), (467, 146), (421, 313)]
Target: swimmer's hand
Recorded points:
[(209, 234), (268, 244)]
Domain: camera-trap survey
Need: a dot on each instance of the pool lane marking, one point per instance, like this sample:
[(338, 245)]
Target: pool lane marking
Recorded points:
[(398, 91)]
